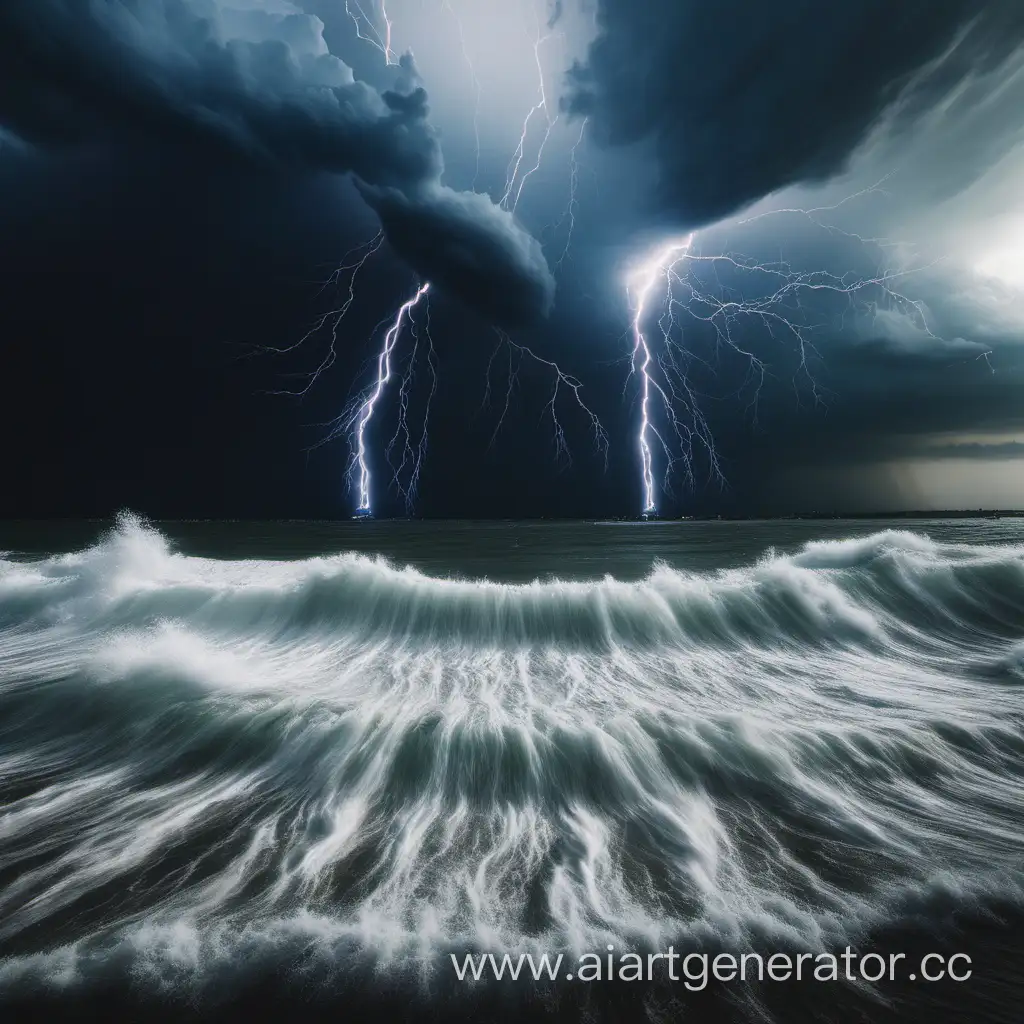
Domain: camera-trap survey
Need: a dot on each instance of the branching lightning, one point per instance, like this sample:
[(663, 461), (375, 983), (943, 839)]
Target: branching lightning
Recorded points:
[(641, 285), (404, 453), (379, 38), (540, 107), (412, 455), (361, 408), (351, 264), (778, 308), (572, 205), (387, 33), (366, 407), (516, 351), (446, 4), (686, 284)]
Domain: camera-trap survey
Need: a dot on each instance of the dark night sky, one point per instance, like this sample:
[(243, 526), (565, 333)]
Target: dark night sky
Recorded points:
[(165, 222)]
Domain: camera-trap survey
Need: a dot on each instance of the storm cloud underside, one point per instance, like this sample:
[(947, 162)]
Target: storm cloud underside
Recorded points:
[(741, 100), (258, 80), (801, 106)]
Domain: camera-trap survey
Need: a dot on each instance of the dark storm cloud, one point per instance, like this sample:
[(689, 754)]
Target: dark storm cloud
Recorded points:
[(878, 409), (117, 69), (743, 97), (256, 77), (462, 241), (882, 401)]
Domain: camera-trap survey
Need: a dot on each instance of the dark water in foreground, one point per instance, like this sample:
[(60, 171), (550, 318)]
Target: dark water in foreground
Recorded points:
[(290, 768)]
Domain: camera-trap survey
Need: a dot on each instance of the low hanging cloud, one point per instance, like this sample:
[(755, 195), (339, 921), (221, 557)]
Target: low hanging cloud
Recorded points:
[(257, 79), (904, 335), (741, 98), (465, 243)]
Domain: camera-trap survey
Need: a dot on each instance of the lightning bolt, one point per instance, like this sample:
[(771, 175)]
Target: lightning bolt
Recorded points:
[(642, 284), (352, 423), (572, 206), (404, 455), (387, 33), (540, 107), (446, 5), (777, 308), (351, 264), (413, 456), (516, 351), (367, 406), (378, 39)]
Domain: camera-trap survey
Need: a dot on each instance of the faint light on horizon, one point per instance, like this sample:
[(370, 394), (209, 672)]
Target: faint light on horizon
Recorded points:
[(1006, 265)]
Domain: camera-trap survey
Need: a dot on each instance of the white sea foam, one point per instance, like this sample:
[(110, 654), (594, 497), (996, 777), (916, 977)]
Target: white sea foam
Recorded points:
[(206, 763)]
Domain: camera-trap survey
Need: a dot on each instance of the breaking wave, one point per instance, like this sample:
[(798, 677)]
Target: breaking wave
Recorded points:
[(207, 765)]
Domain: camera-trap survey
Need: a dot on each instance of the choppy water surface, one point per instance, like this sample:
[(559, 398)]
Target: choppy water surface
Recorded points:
[(226, 749)]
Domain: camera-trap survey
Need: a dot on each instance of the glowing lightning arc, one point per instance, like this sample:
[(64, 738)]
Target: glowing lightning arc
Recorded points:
[(641, 282), (381, 41), (387, 34), (541, 107), (775, 308), (368, 406), (354, 420)]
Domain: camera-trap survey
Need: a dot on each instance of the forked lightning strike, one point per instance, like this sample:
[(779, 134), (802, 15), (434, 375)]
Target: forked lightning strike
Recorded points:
[(572, 205), (540, 107), (447, 5), (516, 351), (645, 279), (410, 455), (368, 405), (381, 39), (777, 308), (351, 263), (354, 421)]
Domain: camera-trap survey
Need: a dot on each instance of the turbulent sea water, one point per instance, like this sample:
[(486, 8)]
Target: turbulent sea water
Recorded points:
[(231, 762)]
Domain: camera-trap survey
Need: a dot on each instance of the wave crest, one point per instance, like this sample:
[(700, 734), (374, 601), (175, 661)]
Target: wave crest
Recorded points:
[(892, 583), (213, 758)]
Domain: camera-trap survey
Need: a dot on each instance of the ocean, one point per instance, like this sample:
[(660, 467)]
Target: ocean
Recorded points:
[(293, 769)]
